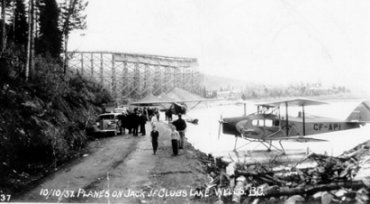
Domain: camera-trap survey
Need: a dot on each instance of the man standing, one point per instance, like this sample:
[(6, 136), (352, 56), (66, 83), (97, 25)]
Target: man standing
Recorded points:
[(123, 119), (142, 121), (136, 123), (168, 115), (157, 114), (180, 125), (130, 121)]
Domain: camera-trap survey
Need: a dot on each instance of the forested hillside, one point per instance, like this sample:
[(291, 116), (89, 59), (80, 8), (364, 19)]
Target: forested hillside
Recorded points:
[(44, 107)]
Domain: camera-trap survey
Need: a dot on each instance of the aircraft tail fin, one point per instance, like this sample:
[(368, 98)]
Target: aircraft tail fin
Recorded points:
[(361, 113)]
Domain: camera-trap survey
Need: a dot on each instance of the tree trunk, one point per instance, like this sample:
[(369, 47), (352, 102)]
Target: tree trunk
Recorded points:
[(71, 8), (30, 46), (65, 65), (310, 190), (3, 26)]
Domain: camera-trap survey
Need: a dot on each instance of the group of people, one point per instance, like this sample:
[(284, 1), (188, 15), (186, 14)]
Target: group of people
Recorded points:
[(178, 128), (133, 120), (136, 119)]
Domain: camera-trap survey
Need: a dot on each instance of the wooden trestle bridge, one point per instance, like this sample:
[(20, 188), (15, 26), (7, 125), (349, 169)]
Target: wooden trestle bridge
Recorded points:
[(133, 76)]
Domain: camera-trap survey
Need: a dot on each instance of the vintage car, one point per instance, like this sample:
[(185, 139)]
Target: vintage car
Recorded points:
[(121, 109), (107, 123)]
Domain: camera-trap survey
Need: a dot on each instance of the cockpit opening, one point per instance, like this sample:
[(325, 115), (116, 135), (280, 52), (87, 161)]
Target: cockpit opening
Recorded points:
[(265, 123)]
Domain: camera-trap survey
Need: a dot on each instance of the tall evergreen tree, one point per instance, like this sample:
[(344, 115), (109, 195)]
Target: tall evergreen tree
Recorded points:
[(72, 18), (20, 26), (4, 4), (50, 36), (30, 40)]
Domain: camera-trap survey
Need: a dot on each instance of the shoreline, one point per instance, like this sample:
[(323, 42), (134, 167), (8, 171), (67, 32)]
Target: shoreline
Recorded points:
[(191, 177)]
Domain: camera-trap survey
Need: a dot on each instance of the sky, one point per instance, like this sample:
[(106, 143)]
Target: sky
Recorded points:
[(263, 41)]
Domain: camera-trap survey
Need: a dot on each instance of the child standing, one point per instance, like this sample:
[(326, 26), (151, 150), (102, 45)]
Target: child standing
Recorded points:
[(154, 134), (175, 137), (153, 121)]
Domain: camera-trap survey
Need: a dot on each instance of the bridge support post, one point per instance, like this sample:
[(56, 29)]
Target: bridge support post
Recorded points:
[(82, 63), (92, 65), (101, 69), (114, 87)]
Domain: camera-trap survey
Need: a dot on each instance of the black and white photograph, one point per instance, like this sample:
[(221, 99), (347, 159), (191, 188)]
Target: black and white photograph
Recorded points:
[(185, 101)]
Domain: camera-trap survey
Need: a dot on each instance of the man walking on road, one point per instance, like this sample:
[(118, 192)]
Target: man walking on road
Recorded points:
[(180, 125), (175, 140), (154, 134)]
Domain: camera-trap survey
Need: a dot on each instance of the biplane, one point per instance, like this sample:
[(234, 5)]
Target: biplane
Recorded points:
[(268, 124)]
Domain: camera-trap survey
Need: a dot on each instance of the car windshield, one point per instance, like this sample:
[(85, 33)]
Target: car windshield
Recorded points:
[(105, 117)]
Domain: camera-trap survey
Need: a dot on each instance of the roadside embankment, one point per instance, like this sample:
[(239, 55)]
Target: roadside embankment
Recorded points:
[(43, 124), (123, 169)]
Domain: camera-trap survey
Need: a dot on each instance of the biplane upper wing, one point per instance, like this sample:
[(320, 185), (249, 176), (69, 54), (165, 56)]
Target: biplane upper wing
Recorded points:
[(293, 102)]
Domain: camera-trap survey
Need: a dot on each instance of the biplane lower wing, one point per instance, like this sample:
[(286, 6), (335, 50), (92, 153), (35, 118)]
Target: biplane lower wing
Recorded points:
[(297, 139)]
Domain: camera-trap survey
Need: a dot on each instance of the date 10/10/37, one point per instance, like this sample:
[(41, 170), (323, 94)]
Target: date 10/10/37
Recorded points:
[(5, 197)]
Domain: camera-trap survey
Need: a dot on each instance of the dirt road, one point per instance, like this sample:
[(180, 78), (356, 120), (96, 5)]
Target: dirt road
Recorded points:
[(123, 169)]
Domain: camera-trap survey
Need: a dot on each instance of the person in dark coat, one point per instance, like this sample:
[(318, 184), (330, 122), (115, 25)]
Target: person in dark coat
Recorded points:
[(180, 125), (157, 113), (154, 134), (123, 119), (135, 123), (129, 121), (142, 121), (169, 115)]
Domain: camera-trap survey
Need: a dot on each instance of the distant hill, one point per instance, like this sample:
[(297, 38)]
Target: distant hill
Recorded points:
[(259, 90), (212, 82)]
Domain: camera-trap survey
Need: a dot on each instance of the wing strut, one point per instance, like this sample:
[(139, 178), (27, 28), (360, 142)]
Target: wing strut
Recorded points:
[(236, 141), (304, 121), (286, 119)]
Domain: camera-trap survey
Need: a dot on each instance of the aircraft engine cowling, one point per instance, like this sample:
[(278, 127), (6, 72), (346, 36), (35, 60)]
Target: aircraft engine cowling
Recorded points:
[(254, 133), (241, 126), (247, 131)]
